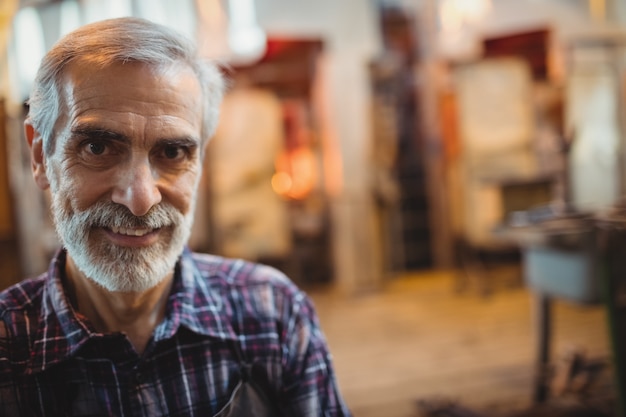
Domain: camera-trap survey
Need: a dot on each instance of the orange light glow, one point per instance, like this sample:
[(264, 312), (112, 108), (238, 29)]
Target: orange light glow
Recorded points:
[(281, 183), (296, 173)]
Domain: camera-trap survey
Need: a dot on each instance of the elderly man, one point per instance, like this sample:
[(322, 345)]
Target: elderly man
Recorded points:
[(127, 321)]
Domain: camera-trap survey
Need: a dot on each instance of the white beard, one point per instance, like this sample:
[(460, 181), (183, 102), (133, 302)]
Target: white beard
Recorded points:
[(118, 268)]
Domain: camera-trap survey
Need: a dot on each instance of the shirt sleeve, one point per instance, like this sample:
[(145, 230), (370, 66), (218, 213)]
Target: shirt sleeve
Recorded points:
[(310, 386)]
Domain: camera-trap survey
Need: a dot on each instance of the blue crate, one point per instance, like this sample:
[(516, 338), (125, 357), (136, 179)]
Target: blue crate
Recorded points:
[(568, 273)]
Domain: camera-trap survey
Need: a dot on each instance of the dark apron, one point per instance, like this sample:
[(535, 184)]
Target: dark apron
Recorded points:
[(248, 399), (251, 397)]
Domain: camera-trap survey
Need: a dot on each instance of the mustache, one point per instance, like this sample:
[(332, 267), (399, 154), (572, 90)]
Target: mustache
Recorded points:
[(109, 215)]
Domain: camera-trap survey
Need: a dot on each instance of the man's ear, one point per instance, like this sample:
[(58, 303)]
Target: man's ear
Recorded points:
[(37, 158)]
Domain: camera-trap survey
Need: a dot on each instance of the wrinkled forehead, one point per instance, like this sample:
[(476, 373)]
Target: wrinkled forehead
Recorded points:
[(166, 92), (172, 87)]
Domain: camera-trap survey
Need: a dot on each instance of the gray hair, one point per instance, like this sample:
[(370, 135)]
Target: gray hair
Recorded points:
[(120, 40)]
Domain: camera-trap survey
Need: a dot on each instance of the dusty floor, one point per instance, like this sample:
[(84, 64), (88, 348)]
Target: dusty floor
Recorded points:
[(418, 339)]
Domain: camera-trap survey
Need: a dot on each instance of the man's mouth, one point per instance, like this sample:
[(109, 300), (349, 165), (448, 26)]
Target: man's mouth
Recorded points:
[(130, 232)]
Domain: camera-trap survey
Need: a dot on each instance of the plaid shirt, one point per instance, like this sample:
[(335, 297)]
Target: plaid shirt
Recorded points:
[(53, 362)]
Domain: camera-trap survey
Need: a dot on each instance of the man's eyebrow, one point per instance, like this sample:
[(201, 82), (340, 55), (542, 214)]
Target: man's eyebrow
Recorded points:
[(98, 132), (187, 141)]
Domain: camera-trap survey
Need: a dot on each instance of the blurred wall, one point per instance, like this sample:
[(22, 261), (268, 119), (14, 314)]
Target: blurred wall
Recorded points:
[(349, 29)]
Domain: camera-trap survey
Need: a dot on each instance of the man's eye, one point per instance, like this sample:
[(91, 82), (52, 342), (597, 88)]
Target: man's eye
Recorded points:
[(173, 152), (97, 148)]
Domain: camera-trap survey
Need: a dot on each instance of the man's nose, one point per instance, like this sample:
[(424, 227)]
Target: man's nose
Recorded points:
[(137, 188)]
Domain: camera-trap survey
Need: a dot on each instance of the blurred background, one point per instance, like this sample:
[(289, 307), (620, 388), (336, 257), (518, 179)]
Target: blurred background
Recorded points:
[(445, 178)]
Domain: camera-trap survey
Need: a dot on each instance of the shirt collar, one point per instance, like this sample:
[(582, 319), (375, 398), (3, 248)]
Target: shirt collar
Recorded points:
[(193, 303)]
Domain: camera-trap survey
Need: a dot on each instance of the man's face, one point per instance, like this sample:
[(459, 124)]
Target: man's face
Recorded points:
[(125, 170)]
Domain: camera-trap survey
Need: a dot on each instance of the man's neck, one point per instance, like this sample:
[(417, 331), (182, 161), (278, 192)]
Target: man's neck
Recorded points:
[(134, 313)]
